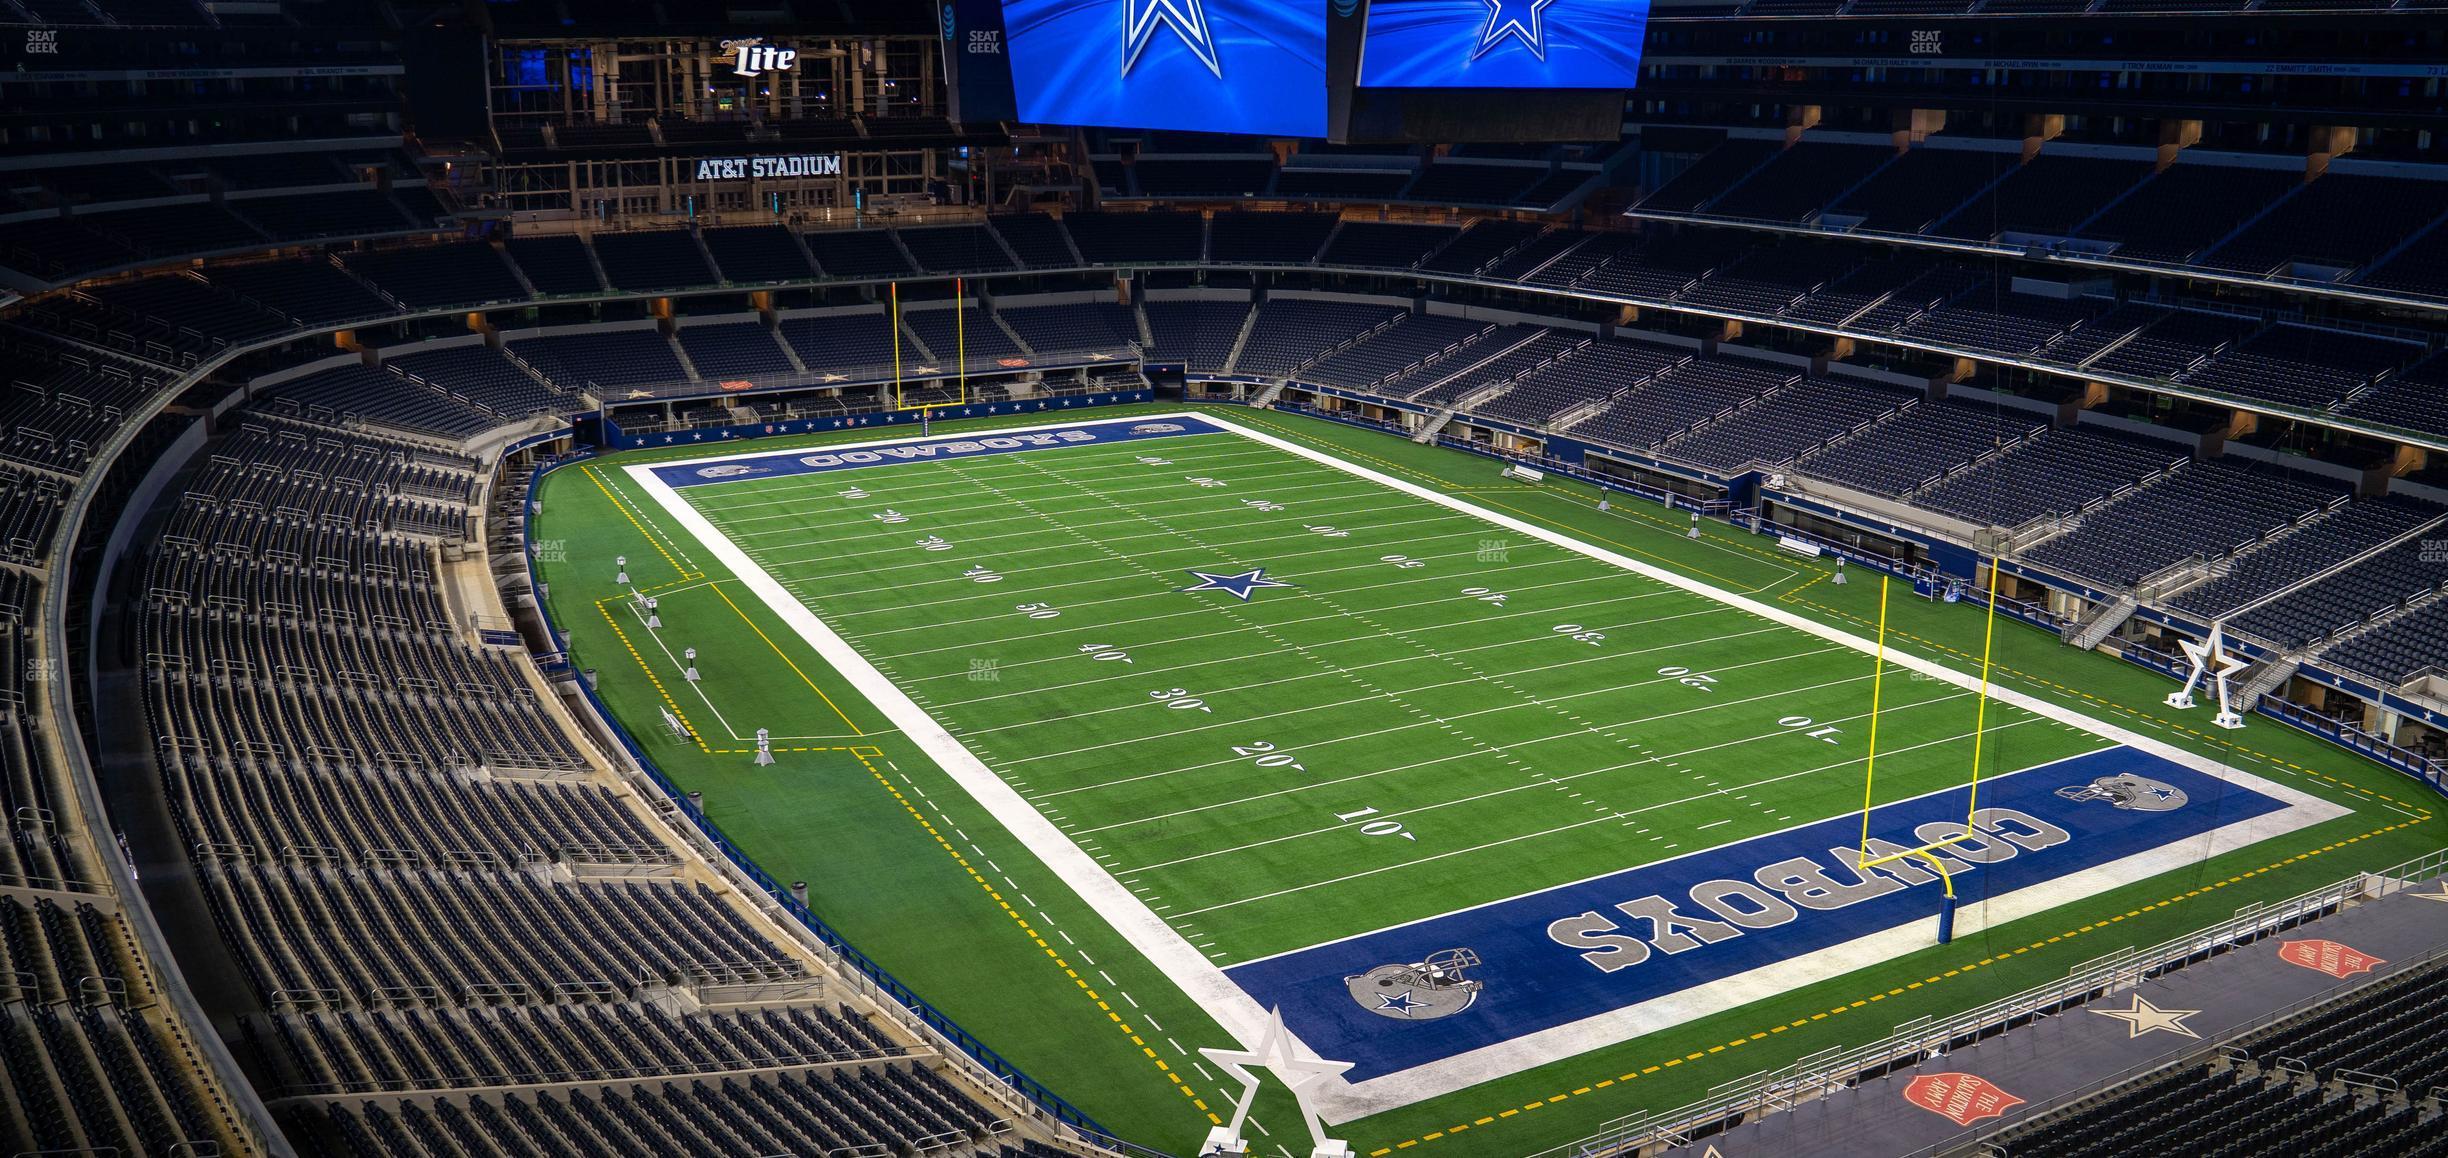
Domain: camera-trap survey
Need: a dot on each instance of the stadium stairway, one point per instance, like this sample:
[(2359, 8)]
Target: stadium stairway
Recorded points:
[(2087, 633)]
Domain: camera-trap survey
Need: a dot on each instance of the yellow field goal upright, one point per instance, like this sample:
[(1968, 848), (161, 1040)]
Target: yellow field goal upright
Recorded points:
[(960, 350), (1928, 852)]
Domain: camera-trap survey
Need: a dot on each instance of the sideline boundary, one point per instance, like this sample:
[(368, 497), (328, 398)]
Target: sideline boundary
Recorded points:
[(1236, 1010)]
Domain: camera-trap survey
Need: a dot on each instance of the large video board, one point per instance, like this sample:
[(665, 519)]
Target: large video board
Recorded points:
[(1561, 44), (1225, 66)]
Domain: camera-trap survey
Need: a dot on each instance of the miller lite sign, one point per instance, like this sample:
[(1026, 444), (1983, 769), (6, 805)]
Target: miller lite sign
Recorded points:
[(753, 56)]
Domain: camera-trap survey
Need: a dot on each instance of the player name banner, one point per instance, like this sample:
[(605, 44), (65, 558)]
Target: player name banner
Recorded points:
[(1636, 948), (799, 165)]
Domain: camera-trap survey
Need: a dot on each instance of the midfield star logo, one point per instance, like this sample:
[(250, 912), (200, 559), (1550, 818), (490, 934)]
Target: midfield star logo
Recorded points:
[(1238, 585), (1187, 18)]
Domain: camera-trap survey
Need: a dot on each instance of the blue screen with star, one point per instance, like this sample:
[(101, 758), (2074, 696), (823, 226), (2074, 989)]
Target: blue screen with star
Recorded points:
[(1503, 43), (1227, 66)]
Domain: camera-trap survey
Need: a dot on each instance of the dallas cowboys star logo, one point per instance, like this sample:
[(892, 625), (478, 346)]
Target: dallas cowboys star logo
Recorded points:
[(2143, 1017), (1522, 24), (1238, 586), (1401, 1003), (1188, 18)]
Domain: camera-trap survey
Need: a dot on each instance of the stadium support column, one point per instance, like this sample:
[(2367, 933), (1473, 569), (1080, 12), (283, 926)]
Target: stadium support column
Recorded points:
[(2329, 142), (2039, 129), (2175, 137), (1801, 120)]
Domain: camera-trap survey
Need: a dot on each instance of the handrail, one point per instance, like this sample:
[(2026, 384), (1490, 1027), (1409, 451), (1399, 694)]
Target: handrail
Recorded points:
[(843, 953), (76, 762), (1914, 1042)]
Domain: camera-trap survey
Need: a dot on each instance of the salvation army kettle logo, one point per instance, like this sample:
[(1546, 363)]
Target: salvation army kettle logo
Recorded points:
[(1960, 1098)]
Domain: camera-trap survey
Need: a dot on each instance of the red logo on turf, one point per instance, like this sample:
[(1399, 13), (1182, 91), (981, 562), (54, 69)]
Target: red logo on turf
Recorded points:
[(1960, 1098), (2329, 957)]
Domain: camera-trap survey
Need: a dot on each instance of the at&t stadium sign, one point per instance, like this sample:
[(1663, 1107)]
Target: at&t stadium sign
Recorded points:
[(737, 168)]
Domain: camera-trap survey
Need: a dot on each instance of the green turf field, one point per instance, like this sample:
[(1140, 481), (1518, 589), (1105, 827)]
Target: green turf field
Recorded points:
[(1428, 696), (1426, 690)]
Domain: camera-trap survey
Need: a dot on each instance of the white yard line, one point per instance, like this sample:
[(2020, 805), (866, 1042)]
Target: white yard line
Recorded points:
[(1553, 778), (1201, 610), (1782, 693), (1242, 1017), (1000, 557), (1144, 706)]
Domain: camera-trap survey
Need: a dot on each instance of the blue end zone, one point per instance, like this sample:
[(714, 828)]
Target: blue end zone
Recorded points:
[(1579, 950), (813, 461)]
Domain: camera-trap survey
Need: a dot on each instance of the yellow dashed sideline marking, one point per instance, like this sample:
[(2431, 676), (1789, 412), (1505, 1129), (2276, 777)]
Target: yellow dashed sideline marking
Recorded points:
[(2421, 815), (803, 676), (1031, 933), (652, 540)]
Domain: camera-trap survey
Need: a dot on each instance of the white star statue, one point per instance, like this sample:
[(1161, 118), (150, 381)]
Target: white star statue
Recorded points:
[(1278, 1052)]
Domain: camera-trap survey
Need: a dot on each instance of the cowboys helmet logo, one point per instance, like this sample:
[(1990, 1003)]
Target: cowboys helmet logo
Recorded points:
[(2134, 793), (733, 470), (1424, 991), (1157, 428)]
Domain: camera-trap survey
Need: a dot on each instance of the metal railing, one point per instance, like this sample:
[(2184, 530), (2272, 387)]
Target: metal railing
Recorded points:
[(1922, 1039), (845, 956)]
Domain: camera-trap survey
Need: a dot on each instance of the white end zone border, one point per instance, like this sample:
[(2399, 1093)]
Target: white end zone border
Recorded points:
[(1240, 1014)]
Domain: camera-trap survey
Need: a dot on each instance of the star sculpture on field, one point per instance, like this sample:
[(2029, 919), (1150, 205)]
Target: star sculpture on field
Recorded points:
[(1239, 585), (1519, 20), (2144, 1017), (1277, 1050)]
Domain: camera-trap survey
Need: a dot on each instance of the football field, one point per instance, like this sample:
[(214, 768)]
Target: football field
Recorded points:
[(1297, 728)]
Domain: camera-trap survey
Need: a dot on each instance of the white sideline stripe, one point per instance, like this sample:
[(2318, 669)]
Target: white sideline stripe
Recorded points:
[(1241, 1016)]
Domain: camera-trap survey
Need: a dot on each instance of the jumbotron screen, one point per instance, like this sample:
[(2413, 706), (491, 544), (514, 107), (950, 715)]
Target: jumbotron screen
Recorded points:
[(1224, 66), (1559, 44)]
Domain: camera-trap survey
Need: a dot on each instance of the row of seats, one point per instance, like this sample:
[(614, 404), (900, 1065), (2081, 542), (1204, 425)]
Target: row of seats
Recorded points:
[(1915, 297), (1458, 180), (2243, 220), (2251, 1103), (407, 858)]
